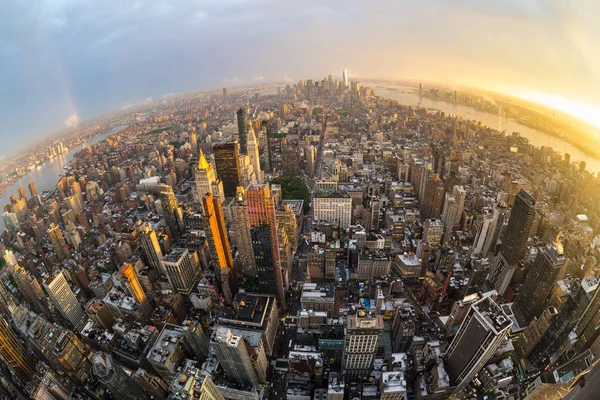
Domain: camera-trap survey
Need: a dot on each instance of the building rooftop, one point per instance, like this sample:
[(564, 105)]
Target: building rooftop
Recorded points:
[(393, 382), (492, 313), (249, 310), (175, 255), (165, 344)]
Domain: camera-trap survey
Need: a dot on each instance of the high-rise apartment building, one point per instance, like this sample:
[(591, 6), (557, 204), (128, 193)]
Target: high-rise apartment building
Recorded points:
[(227, 162), (64, 299), (481, 333), (361, 342), (263, 231)]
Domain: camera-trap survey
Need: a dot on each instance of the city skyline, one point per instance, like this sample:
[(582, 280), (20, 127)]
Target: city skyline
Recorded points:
[(65, 62)]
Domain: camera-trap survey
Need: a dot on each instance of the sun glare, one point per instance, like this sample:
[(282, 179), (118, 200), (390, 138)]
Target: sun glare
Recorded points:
[(583, 111)]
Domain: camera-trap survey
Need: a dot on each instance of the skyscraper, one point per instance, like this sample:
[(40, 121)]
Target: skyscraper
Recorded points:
[(114, 377), (241, 234), (361, 342), (242, 121), (532, 297), (32, 189), (519, 226), (171, 210), (182, 269), (136, 290), (263, 230), (64, 299), (227, 161), (204, 176), (233, 355), (497, 223), (253, 154), (433, 197), (219, 242), (151, 247), (479, 336), (14, 354), (345, 77), (58, 242)]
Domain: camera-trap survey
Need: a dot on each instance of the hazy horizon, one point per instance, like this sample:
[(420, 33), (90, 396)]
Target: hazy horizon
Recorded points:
[(68, 60)]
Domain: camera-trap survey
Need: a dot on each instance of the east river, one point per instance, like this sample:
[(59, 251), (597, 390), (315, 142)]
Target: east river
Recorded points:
[(46, 175), (409, 96)]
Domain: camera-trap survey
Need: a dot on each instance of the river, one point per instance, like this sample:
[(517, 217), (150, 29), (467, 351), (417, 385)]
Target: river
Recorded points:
[(47, 174), (409, 96)]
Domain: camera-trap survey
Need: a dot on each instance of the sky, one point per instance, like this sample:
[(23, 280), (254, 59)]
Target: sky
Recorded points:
[(62, 61)]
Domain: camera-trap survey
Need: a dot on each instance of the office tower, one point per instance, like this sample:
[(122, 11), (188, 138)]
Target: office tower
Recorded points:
[(483, 225), (532, 297), (14, 353), (182, 269), (22, 193), (497, 224), (333, 208), (460, 194), (115, 378), (345, 77), (433, 196), (136, 290), (534, 332), (227, 161), (266, 126), (233, 355), (219, 242), (242, 122), (482, 331), (32, 189), (254, 155), (225, 94), (263, 230), (204, 177), (519, 226), (150, 247), (361, 342), (171, 210), (64, 299), (58, 242), (241, 234)]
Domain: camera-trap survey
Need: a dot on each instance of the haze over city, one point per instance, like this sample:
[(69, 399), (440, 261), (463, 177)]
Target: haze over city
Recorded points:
[(299, 200), (70, 60)]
